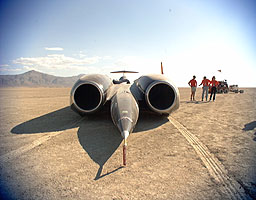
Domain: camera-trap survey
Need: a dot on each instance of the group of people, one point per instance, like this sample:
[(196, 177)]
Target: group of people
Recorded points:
[(206, 84)]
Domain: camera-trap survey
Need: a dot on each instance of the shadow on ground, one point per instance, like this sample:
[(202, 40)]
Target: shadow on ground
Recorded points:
[(97, 134), (250, 126), (99, 138), (195, 102), (58, 120), (149, 120)]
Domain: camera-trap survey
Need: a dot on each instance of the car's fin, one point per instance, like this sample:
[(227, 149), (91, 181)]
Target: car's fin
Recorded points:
[(162, 70)]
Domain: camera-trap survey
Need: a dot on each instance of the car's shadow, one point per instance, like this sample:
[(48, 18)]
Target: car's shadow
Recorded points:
[(96, 134), (195, 102), (58, 120)]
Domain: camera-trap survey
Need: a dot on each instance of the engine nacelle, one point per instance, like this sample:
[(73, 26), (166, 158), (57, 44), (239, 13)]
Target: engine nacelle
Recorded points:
[(89, 93), (160, 94)]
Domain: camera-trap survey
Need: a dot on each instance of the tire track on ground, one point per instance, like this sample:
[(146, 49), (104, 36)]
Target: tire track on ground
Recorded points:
[(214, 166), (17, 152)]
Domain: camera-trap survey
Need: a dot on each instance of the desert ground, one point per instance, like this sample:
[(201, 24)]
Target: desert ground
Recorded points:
[(204, 150)]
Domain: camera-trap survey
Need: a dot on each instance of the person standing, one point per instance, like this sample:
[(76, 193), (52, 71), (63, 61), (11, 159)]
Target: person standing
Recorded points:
[(213, 84), (205, 82), (193, 84)]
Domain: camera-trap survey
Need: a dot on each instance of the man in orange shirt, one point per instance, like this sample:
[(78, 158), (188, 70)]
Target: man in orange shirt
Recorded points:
[(214, 85), (193, 84), (205, 82)]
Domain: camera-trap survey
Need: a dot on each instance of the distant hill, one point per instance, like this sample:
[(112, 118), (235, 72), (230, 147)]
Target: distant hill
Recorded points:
[(37, 79)]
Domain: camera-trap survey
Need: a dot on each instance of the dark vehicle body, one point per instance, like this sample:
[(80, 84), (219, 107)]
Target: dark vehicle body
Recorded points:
[(222, 87), (153, 92)]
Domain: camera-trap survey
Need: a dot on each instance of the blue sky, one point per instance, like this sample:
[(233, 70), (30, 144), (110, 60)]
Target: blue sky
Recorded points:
[(66, 38)]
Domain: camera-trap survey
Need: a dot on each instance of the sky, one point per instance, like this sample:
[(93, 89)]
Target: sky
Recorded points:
[(190, 37)]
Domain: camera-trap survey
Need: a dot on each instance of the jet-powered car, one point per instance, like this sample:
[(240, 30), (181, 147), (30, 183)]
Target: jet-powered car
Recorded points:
[(155, 92)]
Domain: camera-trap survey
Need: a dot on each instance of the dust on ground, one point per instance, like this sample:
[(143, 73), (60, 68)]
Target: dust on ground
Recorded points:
[(50, 152)]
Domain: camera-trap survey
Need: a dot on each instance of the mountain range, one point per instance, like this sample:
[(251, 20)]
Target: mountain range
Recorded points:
[(37, 79)]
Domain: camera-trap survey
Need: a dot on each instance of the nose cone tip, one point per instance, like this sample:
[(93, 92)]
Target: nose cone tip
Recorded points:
[(125, 134)]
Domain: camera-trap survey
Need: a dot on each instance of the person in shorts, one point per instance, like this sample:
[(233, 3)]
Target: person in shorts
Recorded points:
[(193, 84)]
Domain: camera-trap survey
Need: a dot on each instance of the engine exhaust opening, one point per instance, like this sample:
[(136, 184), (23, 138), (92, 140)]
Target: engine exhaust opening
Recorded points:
[(161, 96), (87, 97)]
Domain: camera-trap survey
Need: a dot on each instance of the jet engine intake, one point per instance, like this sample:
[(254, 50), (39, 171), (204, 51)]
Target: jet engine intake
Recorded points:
[(89, 93), (160, 94)]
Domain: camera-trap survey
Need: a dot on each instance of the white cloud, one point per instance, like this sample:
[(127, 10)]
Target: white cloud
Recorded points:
[(10, 70), (7, 68), (53, 48), (5, 65), (179, 67), (107, 57), (56, 61), (82, 55), (27, 68)]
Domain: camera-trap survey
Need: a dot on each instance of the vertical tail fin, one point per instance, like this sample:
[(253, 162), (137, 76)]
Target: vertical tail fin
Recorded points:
[(162, 70)]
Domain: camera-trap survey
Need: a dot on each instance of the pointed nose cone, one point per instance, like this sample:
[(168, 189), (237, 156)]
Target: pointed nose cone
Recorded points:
[(124, 112), (125, 134), (125, 126)]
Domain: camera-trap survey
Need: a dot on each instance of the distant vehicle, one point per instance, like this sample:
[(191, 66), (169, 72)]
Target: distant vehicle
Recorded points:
[(222, 87), (234, 88)]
